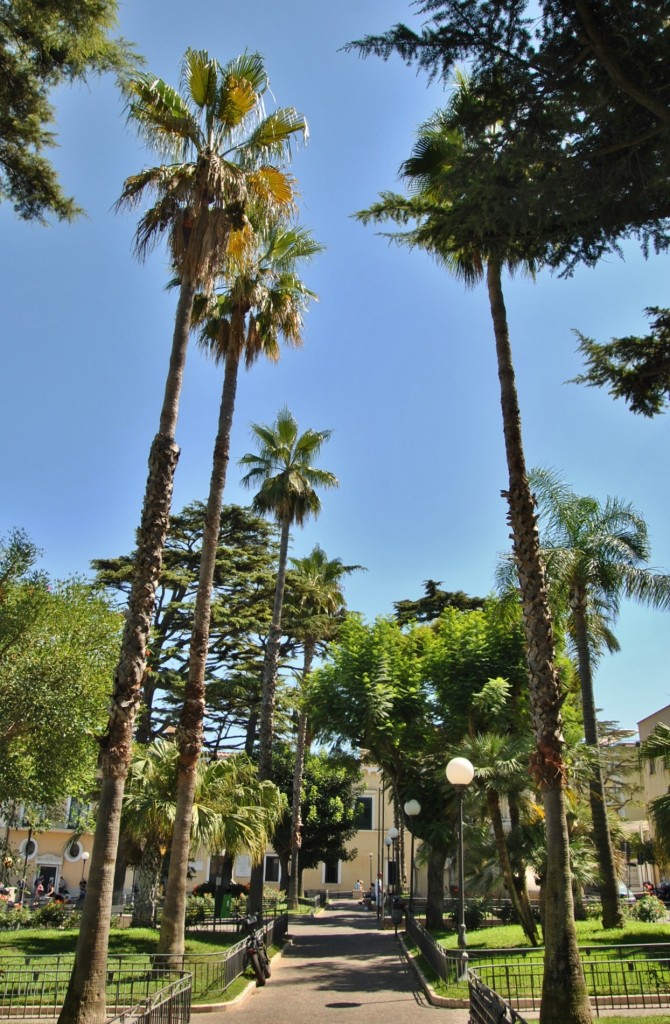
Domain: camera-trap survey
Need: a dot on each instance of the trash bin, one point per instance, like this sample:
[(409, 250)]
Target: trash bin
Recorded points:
[(397, 911)]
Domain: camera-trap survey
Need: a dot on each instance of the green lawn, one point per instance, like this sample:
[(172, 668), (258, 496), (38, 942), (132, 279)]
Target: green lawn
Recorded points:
[(605, 969), (139, 942)]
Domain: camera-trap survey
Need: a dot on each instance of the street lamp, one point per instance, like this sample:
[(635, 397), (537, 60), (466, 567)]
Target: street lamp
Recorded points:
[(412, 808), (387, 843), (85, 855), (460, 774), (392, 834)]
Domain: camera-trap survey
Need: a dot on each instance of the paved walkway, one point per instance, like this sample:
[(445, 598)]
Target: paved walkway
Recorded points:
[(340, 967)]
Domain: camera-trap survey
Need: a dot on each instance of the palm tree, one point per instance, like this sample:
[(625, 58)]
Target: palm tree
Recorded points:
[(232, 811), (263, 300), (316, 587), (595, 555), (500, 771), (222, 151), (471, 201), (284, 468)]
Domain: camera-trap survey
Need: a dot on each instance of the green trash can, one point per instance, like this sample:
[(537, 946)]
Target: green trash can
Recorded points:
[(222, 903)]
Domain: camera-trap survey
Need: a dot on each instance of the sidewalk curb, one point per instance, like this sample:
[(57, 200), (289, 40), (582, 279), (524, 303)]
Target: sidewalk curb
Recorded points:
[(431, 994)]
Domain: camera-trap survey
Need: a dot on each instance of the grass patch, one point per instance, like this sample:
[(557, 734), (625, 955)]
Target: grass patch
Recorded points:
[(137, 942)]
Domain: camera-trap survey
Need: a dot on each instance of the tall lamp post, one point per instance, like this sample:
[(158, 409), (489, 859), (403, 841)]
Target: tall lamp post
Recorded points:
[(387, 843), (411, 808), (84, 857), (460, 774), (393, 834)]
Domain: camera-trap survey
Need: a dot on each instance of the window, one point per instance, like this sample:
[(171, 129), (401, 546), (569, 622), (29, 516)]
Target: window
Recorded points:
[(331, 873), (271, 868), (73, 851), (28, 848), (364, 816)]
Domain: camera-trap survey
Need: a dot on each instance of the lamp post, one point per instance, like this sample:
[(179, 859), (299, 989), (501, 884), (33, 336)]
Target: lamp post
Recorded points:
[(460, 774), (371, 876), (412, 808), (387, 843), (84, 857), (392, 834)]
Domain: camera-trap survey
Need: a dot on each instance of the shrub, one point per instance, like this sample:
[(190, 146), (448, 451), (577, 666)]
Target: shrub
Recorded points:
[(51, 915), (648, 909), (198, 908), (19, 917), (475, 915)]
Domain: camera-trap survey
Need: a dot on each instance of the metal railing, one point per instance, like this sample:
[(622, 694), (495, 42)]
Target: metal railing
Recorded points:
[(444, 962), (35, 986), (619, 982), (170, 1005), (486, 1006)]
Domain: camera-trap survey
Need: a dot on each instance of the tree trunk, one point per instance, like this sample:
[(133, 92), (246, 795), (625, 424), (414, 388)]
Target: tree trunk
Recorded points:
[(609, 889), (85, 998), (527, 922), (271, 661), (564, 996), (518, 862), (296, 819), (148, 882), (435, 890), (191, 721)]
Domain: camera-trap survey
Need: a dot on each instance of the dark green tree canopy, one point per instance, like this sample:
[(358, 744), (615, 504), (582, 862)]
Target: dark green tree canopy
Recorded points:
[(331, 784), (432, 604), (44, 43), (241, 609), (636, 369), (577, 92)]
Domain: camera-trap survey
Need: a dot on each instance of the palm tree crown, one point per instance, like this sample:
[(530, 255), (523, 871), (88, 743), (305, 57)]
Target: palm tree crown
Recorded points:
[(222, 152), (284, 469)]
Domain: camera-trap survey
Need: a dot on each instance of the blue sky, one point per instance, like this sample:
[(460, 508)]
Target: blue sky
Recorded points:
[(398, 358)]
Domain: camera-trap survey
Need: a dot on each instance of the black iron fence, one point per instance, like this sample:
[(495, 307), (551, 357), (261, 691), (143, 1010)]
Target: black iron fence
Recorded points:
[(170, 1005), (35, 986), (486, 1006)]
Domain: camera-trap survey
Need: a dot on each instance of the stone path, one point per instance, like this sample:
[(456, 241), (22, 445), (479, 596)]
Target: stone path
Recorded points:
[(338, 966)]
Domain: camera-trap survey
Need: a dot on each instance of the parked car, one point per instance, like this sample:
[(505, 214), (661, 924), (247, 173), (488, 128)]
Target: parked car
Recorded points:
[(626, 895)]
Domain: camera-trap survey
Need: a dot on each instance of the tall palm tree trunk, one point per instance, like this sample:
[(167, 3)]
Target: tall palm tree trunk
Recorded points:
[(148, 882), (564, 995), (266, 725), (526, 920), (85, 998), (271, 661), (612, 915), (298, 771), (191, 721)]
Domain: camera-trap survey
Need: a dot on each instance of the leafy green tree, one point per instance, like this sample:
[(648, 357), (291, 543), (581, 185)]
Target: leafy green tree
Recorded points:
[(267, 284), (460, 179), (57, 648), (315, 590), (329, 811), (408, 695), (636, 369), (595, 555), (232, 810), (284, 468), (223, 154), (45, 44)]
